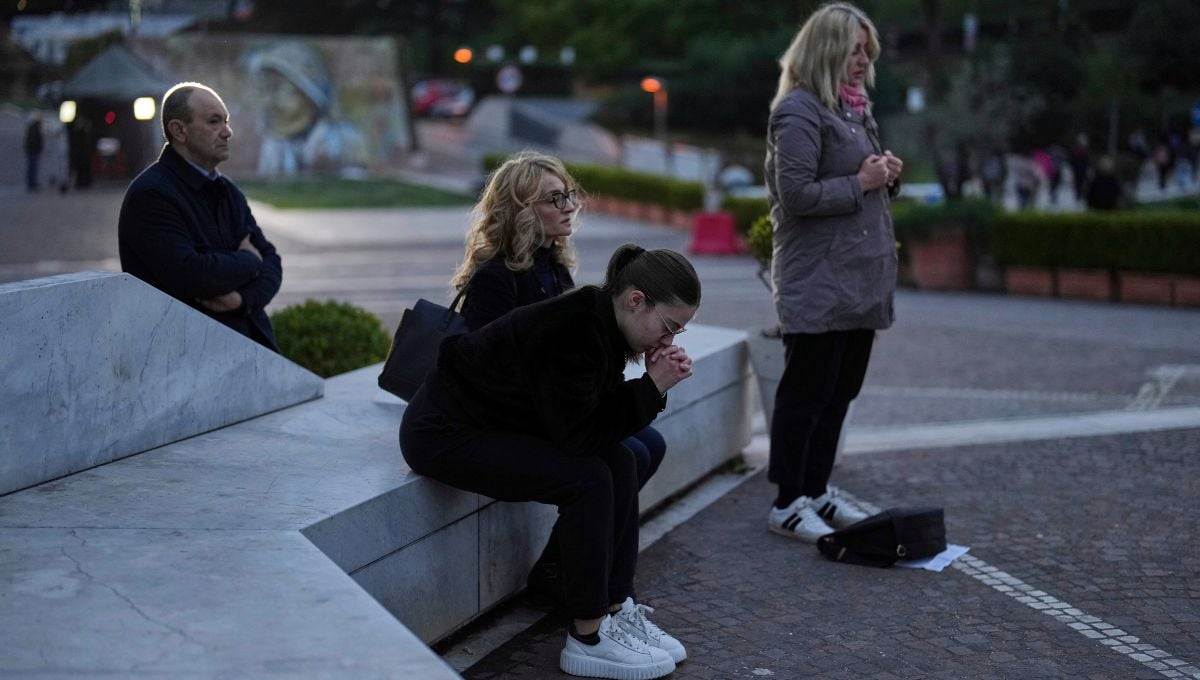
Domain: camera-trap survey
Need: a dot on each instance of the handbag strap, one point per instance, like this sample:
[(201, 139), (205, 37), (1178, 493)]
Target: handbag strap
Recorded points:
[(452, 310)]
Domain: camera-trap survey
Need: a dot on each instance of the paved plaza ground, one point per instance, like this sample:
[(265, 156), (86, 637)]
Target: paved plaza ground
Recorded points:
[(1095, 536), (1084, 555)]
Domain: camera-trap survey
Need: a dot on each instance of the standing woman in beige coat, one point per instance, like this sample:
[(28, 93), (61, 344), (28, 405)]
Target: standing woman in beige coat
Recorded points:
[(829, 183)]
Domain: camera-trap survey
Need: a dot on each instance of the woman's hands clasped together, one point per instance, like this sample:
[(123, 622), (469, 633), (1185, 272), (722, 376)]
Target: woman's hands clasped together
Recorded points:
[(877, 170), (668, 366)]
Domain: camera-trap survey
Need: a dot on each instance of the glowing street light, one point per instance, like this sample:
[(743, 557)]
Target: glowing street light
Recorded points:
[(143, 108), (66, 112), (463, 55), (658, 87)]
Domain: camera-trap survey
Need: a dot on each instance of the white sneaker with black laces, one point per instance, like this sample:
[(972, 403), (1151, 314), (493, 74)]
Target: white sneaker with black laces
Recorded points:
[(619, 655), (798, 520), (632, 617), (838, 511)]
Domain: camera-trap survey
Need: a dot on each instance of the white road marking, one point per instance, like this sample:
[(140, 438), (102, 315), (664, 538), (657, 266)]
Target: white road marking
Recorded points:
[(976, 432)]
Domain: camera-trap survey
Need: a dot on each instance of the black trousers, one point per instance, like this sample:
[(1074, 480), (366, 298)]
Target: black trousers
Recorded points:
[(823, 373), (648, 448), (597, 528)]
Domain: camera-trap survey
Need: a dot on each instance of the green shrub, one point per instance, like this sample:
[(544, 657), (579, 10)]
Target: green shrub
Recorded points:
[(1162, 243), (762, 241), (329, 338), (746, 211), (643, 187)]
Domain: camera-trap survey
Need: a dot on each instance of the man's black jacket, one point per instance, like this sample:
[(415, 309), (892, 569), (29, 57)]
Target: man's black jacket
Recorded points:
[(179, 231)]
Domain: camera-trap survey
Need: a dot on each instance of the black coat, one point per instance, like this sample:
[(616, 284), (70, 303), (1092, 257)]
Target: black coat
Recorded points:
[(497, 290), (179, 232), (553, 369)]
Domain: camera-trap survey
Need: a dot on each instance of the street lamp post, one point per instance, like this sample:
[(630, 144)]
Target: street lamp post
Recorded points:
[(658, 87)]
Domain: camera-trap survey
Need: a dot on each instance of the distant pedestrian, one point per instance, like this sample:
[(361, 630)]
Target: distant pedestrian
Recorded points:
[(995, 172), (534, 407), (1028, 180), (83, 148), (1164, 161), (1104, 189), (829, 187), (188, 231), (1047, 167), (57, 165), (33, 152), (1081, 166)]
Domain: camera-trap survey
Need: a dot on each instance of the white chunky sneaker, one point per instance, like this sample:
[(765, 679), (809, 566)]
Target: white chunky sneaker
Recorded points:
[(838, 511), (632, 617), (618, 655), (798, 520)]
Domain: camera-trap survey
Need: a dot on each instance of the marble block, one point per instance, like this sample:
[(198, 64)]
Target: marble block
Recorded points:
[(99, 366)]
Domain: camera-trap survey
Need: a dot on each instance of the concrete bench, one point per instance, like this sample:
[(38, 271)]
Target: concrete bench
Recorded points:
[(295, 543)]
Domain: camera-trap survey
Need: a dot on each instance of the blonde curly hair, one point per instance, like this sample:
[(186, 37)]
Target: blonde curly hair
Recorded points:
[(504, 222)]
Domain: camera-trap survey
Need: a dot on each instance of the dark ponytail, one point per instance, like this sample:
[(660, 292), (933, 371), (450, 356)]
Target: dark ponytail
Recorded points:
[(665, 276)]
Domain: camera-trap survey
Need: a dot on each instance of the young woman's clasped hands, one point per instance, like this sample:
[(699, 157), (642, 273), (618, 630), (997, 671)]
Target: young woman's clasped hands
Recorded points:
[(668, 366)]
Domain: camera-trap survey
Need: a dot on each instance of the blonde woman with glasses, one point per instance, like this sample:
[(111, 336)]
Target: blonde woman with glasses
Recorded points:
[(829, 183)]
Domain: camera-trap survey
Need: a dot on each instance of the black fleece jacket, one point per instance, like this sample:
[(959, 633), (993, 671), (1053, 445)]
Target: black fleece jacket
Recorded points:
[(553, 369), (497, 290)]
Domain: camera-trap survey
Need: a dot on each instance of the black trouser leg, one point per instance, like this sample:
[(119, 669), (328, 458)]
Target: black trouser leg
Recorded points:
[(596, 496), (648, 448), (823, 373)]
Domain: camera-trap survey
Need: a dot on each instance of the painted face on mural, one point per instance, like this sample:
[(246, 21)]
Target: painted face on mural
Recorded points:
[(289, 111)]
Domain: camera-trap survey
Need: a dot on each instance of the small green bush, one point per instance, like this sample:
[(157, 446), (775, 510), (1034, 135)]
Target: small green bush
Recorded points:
[(746, 211), (762, 241), (329, 338)]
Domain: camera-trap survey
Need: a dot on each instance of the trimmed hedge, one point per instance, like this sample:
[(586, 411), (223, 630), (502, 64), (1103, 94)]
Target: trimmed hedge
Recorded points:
[(642, 187), (1154, 243), (919, 221), (329, 338)]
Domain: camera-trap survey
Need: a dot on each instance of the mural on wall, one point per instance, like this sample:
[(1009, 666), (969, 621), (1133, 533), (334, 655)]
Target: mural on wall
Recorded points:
[(298, 105), (298, 120)]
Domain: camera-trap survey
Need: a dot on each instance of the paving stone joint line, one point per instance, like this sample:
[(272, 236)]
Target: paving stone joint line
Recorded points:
[(1091, 627)]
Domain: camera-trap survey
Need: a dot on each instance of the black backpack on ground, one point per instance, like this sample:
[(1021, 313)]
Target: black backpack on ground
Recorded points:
[(894, 534)]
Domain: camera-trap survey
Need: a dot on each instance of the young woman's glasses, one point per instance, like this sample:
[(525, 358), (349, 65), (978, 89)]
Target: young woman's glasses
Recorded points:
[(559, 199), (667, 324)]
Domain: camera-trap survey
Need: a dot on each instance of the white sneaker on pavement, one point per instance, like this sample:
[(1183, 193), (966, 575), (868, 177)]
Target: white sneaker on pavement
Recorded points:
[(619, 655), (632, 617), (798, 520), (838, 511)]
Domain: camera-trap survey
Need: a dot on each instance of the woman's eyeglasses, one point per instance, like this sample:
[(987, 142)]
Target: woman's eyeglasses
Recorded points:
[(559, 199), (667, 324)]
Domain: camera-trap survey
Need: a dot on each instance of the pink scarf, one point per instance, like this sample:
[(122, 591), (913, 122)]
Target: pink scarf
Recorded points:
[(854, 98)]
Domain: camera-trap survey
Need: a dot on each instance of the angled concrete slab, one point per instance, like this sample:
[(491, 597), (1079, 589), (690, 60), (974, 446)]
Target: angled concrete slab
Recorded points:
[(99, 366)]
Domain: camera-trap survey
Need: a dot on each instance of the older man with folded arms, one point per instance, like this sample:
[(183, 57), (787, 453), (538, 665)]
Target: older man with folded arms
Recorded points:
[(187, 230)]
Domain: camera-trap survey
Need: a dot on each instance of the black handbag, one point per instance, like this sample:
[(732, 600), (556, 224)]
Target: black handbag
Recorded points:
[(883, 539), (415, 347)]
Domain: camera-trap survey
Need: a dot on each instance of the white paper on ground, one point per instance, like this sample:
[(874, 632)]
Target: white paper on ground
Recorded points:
[(939, 561)]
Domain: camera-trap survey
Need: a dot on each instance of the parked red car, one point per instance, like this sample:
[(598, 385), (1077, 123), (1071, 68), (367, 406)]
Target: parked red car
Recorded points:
[(442, 98)]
